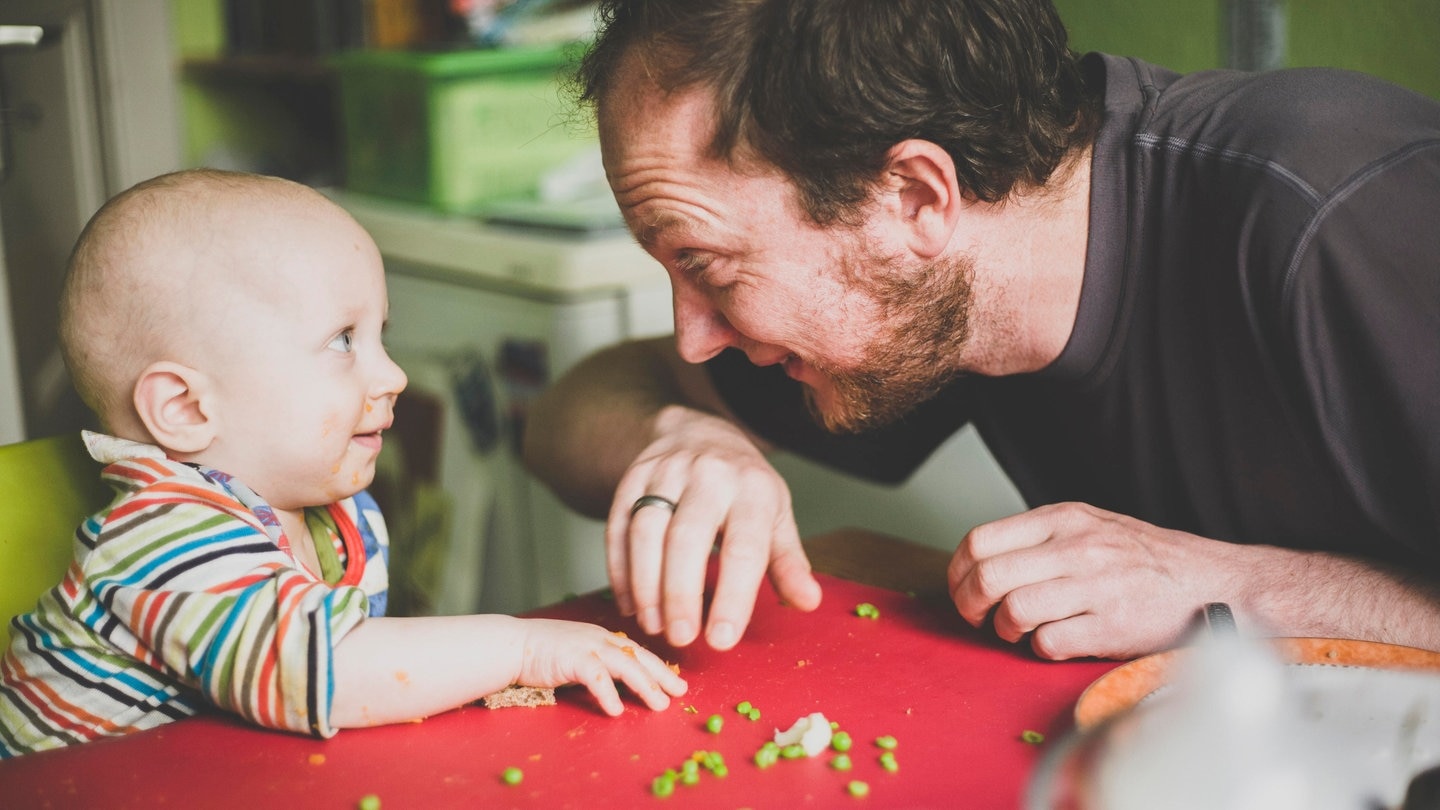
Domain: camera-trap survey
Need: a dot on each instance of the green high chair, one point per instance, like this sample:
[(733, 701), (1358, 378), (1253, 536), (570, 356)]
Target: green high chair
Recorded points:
[(47, 486)]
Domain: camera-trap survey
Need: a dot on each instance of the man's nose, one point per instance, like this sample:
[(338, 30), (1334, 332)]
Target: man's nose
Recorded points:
[(701, 331)]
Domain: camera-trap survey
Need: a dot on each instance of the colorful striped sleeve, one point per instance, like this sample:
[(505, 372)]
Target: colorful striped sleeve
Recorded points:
[(178, 592)]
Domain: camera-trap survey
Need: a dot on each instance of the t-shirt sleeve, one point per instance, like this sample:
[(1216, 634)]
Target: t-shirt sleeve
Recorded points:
[(221, 609), (772, 405), (1364, 303)]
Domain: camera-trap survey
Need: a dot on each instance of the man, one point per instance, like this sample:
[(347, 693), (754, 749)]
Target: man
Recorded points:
[(1196, 319)]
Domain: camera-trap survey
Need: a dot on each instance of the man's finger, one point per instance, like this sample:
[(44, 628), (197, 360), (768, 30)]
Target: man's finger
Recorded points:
[(690, 537)]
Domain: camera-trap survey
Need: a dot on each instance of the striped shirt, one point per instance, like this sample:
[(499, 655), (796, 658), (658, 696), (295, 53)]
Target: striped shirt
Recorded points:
[(183, 593)]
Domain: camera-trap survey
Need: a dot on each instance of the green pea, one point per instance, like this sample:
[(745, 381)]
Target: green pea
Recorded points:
[(841, 741), (766, 757), (887, 761), (663, 786), (369, 802), (793, 751), (887, 742), (714, 724), (858, 788), (867, 610), (753, 714), (1032, 737), (743, 707), (720, 771), (841, 762), (512, 776)]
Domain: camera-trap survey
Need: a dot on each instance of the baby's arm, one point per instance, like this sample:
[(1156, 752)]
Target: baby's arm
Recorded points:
[(390, 670)]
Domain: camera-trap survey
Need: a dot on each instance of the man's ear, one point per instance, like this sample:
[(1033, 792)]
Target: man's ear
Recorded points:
[(173, 402), (926, 198)]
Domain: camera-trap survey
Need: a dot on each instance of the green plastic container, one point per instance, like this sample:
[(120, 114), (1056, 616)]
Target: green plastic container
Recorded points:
[(456, 130)]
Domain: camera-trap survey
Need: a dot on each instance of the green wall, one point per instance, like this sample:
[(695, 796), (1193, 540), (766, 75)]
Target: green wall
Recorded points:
[(1394, 39), (1397, 40), (1183, 35)]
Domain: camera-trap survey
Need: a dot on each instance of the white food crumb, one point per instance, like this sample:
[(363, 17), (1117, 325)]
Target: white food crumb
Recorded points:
[(812, 732)]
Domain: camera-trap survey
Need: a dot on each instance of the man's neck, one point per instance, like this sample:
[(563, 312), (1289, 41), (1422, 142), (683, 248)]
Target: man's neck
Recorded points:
[(1030, 263)]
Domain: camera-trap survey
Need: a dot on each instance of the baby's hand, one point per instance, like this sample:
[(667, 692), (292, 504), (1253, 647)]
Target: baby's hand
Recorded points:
[(559, 652)]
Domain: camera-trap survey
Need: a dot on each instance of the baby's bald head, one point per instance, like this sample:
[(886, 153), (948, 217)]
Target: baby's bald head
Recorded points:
[(156, 272)]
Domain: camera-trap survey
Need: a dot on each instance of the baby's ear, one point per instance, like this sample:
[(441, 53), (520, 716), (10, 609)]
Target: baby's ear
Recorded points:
[(172, 401)]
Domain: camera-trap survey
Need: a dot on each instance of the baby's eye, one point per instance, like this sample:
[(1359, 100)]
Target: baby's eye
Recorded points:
[(343, 342)]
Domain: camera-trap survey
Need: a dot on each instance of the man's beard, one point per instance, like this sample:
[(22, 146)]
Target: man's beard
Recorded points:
[(925, 321)]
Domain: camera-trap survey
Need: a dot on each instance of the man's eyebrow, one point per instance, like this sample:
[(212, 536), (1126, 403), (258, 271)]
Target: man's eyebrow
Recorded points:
[(650, 232)]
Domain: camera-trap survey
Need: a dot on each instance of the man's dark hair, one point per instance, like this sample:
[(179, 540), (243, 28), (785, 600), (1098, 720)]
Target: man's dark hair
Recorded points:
[(823, 88)]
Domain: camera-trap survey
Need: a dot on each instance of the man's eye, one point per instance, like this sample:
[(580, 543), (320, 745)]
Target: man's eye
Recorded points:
[(344, 342), (690, 264)]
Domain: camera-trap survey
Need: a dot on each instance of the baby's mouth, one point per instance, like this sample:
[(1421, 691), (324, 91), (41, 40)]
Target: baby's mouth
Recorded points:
[(371, 440)]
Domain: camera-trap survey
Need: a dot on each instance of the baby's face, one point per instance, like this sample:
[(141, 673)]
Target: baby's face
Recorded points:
[(305, 386)]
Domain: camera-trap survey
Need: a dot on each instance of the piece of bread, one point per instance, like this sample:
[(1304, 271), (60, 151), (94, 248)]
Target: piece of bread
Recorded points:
[(517, 695)]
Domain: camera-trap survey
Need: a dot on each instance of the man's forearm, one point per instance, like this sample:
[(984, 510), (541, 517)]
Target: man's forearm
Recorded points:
[(585, 430), (1331, 596)]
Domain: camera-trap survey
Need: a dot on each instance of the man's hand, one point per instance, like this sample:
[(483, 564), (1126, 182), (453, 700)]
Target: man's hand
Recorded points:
[(1086, 582), (1082, 581), (724, 491)]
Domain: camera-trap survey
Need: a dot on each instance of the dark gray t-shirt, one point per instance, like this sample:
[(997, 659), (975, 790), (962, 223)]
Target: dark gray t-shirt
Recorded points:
[(1257, 351)]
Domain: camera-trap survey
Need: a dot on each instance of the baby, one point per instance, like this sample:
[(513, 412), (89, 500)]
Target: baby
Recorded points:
[(226, 329)]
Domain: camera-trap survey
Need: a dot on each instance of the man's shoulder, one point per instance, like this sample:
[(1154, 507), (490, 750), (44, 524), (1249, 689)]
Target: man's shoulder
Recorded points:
[(1318, 126)]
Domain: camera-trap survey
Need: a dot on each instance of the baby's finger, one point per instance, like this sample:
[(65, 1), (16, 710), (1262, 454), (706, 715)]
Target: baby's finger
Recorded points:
[(598, 680), (662, 673), (647, 676)]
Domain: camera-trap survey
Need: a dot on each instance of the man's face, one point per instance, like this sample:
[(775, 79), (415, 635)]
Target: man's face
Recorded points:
[(869, 330)]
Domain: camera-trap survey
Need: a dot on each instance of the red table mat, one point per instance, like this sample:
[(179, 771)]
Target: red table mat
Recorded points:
[(955, 699)]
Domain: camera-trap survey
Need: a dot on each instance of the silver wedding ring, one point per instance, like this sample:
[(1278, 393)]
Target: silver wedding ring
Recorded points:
[(652, 500)]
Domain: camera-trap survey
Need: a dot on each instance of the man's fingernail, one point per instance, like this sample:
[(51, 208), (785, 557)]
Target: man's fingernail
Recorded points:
[(722, 635), (681, 632)]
